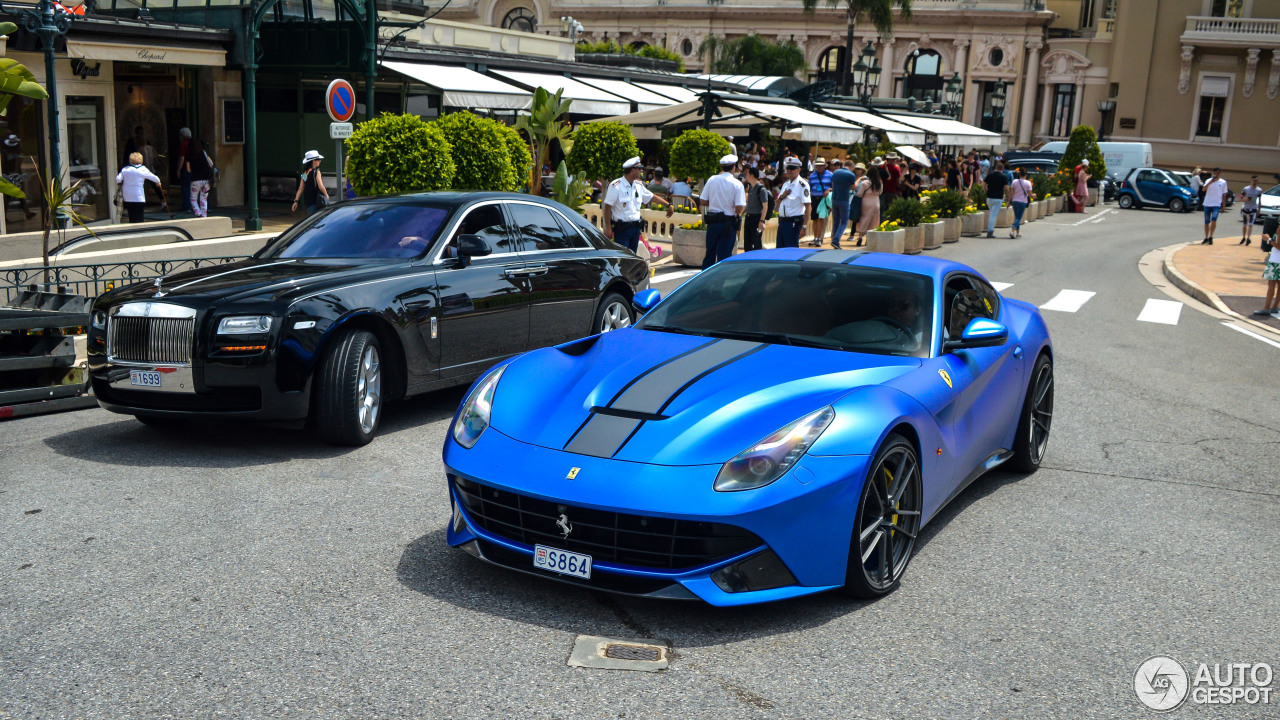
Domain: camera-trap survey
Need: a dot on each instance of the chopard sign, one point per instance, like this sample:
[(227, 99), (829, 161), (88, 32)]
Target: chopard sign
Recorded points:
[(153, 55)]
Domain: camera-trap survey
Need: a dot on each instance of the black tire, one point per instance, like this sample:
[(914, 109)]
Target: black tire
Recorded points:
[(1125, 201), (615, 313), (346, 408), (1035, 419), (884, 540), (1177, 205)]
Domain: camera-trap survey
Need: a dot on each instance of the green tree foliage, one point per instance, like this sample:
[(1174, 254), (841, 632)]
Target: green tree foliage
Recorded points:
[(16, 80), (948, 203), (480, 152), (543, 125), (879, 12), (752, 55), (600, 148), (568, 189), (609, 47), (697, 153), (1083, 144), (399, 153), (519, 157)]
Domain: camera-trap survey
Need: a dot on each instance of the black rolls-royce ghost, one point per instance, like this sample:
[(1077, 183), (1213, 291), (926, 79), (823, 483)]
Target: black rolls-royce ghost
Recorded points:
[(365, 302)]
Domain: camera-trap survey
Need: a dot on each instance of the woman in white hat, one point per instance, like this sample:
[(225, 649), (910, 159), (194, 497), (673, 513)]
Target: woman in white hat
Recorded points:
[(311, 189)]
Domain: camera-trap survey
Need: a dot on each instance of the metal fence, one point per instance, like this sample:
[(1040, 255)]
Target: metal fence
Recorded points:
[(93, 280)]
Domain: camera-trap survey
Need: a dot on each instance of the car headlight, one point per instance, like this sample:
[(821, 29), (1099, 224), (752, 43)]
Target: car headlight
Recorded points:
[(245, 325), (473, 419), (99, 320), (768, 459)]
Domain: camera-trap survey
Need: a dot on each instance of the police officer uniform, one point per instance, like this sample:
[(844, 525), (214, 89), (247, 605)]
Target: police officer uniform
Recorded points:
[(791, 209), (723, 195), (625, 199)]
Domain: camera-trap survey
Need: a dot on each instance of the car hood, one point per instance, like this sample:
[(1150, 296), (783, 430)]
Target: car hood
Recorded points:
[(668, 399), (254, 276)]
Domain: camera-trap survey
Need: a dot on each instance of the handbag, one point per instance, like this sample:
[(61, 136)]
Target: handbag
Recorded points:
[(1266, 245)]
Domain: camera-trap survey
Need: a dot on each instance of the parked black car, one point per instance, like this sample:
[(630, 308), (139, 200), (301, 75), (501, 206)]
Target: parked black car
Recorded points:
[(362, 303)]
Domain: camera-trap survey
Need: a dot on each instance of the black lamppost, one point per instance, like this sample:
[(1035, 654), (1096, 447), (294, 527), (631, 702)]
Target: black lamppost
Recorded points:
[(953, 96), (47, 24), (1106, 107), (998, 99), (866, 75)]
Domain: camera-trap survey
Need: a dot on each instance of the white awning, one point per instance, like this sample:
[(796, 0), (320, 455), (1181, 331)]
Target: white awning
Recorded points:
[(153, 54), (464, 88), (587, 100), (644, 99), (952, 132), (739, 112), (675, 92), (813, 127), (897, 133)]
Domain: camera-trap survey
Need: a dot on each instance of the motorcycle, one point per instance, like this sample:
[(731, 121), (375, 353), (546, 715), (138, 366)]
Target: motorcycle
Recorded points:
[(1110, 188)]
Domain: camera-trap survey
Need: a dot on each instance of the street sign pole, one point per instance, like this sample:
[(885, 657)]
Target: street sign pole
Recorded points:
[(338, 131), (340, 102)]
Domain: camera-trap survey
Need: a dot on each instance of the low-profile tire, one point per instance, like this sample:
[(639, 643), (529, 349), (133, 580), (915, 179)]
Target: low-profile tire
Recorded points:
[(1125, 201), (614, 313), (1177, 205), (887, 521), (347, 404), (1035, 419)]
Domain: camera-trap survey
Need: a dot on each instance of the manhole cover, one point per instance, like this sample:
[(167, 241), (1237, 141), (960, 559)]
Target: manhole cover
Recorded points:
[(616, 651)]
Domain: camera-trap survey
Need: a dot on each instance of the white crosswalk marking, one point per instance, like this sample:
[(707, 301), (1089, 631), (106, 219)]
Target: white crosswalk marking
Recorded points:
[(1001, 287), (1068, 300), (1161, 311), (677, 275)]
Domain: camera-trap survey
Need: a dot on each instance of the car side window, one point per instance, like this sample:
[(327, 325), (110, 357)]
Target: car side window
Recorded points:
[(575, 238), (990, 298), (960, 301), (488, 223), (538, 228), (1148, 176)]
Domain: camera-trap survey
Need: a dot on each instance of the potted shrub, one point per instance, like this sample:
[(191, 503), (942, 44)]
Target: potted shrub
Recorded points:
[(934, 232), (689, 244), (949, 206), (908, 213), (1004, 216), (888, 238)]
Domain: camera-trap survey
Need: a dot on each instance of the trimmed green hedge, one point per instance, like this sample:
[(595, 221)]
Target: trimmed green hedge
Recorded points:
[(697, 153), (480, 151), (600, 148), (399, 153)]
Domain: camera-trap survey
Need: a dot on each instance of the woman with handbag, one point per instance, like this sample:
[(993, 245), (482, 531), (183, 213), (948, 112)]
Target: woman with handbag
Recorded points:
[(311, 189)]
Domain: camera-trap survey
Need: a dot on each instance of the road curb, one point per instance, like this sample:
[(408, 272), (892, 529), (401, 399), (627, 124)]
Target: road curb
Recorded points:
[(1206, 296)]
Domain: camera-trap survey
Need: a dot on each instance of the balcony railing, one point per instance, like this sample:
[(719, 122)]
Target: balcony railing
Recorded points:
[(1250, 32)]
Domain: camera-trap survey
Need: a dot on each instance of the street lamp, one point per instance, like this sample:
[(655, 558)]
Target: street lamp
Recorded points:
[(998, 99), (47, 23), (866, 74), (1106, 107), (953, 96)]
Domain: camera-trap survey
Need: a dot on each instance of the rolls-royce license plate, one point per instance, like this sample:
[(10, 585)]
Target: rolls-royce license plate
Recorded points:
[(144, 378), (562, 561)]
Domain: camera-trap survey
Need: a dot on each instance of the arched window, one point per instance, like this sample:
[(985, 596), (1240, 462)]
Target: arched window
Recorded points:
[(828, 67), (924, 78), (521, 19)]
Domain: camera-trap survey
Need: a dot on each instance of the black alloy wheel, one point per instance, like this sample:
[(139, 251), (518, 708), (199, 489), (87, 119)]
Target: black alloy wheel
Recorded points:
[(615, 313), (888, 521), (1036, 418), (347, 405)]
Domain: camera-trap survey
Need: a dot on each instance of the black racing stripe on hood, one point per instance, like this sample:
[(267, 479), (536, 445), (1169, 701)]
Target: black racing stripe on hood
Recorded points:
[(651, 391), (662, 364), (602, 435)]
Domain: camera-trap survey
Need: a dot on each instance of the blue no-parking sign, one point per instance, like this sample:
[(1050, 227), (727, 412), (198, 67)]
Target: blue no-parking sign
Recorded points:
[(340, 101)]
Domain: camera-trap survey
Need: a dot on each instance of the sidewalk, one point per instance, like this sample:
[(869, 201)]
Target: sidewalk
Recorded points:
[(1226, 275)]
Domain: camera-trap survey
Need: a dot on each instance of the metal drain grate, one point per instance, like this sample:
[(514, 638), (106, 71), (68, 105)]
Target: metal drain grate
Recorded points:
[(616, 651)]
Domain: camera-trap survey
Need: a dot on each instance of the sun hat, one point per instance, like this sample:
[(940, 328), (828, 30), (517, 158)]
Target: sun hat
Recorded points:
[(185, 132), (311, 155), (878, 161), (12, 140), (859, 166), (819, 161)]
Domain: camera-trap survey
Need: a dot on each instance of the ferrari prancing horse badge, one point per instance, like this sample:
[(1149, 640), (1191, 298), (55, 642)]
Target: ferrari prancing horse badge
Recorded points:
[(945, 377)]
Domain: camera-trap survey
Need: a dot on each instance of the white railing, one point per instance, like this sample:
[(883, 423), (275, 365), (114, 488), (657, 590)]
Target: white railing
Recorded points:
[(1234, 29)]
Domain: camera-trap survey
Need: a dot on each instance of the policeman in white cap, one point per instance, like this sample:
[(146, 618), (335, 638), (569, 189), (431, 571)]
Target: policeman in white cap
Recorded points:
[(723, 199), (623, 201), (794, 205)]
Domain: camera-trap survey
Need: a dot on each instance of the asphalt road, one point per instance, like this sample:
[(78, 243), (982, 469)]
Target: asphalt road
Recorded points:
[(240, 573)]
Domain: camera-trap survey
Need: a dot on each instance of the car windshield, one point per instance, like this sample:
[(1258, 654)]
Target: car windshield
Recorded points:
[(811, 304), (386, 230), (1181, 179), (1274, 192)]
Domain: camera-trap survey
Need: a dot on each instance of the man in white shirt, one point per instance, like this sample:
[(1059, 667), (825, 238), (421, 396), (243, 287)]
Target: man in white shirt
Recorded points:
[(794, 203), (1214, 192), (723, 199), (623, 201)]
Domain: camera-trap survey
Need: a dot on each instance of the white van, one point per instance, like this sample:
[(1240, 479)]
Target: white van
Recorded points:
[(1120, 157)]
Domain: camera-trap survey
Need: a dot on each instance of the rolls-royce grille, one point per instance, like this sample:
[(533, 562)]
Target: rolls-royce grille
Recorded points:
[(638, 540), (160, 340)]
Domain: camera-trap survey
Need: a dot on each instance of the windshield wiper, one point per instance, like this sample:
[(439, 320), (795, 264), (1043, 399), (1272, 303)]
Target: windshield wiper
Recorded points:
[(669, 328)]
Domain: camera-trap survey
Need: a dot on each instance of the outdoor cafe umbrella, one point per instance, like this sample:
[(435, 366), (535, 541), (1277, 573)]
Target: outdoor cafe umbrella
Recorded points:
[(915, 153)]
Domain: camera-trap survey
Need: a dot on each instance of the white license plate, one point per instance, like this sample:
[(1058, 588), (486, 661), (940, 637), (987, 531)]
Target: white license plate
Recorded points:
[(144, 378), (562, 561)]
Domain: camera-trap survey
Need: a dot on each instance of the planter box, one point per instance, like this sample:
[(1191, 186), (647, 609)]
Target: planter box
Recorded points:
[(689, 247), (975, 224), (951, 229), (934, 235), (1093, 196), (913, 243), (1004, 218), (892, 241)]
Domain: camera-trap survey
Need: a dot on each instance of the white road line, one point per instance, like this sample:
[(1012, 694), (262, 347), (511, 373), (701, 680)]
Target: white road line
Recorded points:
[(1165, 312), (1068, 300), (1001, 287), (1253, 335), (1094, 218), (677, 275)]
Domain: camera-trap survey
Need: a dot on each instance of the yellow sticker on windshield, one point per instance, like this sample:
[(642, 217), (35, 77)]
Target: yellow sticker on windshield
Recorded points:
[(945, 377)]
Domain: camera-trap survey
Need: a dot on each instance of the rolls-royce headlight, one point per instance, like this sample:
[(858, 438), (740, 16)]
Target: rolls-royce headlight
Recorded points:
[(99, 320), (473, 419), (245, 325), (768, 459)]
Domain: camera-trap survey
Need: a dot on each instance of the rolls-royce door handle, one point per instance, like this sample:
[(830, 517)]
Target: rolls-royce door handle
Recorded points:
[(528, 271)]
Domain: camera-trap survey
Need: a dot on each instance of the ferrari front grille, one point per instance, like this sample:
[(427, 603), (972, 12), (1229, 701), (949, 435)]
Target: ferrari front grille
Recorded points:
[(636, 540)]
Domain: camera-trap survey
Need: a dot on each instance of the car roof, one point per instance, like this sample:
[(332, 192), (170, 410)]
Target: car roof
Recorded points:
[(936, 268), (452, 198)]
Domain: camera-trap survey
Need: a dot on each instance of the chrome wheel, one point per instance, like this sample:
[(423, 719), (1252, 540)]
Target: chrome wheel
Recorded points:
[(369, 389), (1041, 413), (615, 317), (890, 518)]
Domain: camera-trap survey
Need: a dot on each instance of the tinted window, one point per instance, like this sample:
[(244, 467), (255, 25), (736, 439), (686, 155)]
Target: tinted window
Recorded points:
[(967, 299), (811, 304), (487, 223), (1148, 176), (571, 232), (366, 230), (539, 229)]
